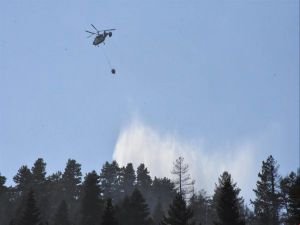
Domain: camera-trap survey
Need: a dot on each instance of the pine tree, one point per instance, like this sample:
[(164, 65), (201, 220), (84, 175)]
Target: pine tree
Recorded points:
[(109, 180), (91, 203), (5, 203), (179, 213), (71, 180), (62, 215), (31, 214), (184, 183), (227, 202), (128, 178), (139, 210), (134, 210), (293, 203), (39, 172), (108, 217), (143, 179), (201, 206), (285, 186), (2, 185), (162, 190), (124, 212), (23, 179), (40, 187), (52, 195), (267, 202)]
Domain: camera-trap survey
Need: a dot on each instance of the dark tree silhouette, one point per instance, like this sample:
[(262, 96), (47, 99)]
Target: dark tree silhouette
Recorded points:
[(267, 202), (108, 217), (163, 190), (228, 202), (53, 195), (91, 203), (139, 209), (23, 179), (128, 178), (62, 215), (84, 202), (201, 205), (143, 179), (40, 187), (31, 214), (109, 180), (123, 213), (293, 199), (71, 180), (2, 184), (179, 213), (134, 210), (5, 203), (39, 172)]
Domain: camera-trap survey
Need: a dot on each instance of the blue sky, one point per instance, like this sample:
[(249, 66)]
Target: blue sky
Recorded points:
[(213, 73)]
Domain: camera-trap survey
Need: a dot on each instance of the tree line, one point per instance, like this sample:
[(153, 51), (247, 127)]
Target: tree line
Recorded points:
[(125, 196)]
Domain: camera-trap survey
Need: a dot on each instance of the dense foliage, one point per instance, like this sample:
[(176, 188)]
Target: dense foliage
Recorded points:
[(228, 203), (122, 196)]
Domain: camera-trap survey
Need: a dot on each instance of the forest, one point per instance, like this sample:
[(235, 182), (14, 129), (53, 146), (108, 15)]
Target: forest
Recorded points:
[(118, 195)]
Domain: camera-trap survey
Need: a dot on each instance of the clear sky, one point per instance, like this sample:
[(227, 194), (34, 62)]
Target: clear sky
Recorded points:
[(215, 81)]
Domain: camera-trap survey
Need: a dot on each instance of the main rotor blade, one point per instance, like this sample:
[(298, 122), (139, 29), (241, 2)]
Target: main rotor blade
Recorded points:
[(107, 30), (90, 36), (90, 32), (94, 27)]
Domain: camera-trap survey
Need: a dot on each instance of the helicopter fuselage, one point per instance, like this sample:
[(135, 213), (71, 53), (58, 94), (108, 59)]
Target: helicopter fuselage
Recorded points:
[(100, 38)]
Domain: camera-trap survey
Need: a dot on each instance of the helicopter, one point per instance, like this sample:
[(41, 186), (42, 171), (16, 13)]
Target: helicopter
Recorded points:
[(100, 35)]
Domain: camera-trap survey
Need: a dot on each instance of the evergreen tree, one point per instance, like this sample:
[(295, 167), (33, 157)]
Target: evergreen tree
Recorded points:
[(179, 213), (5, 203), (71, 186), (91, 203), (162, 189), (184, 183), (108, 217), (267, 202), (2, 185), (123, 213), (23, 179), (39, 172), (62, 215), (31, 214), (128, 178), (143, 179), (285, 186), (71, 180), (201, 205), (227, 202), (40, 186), (109, 180), (293, 200), (134, 210), (53, 191), (139, 211)]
